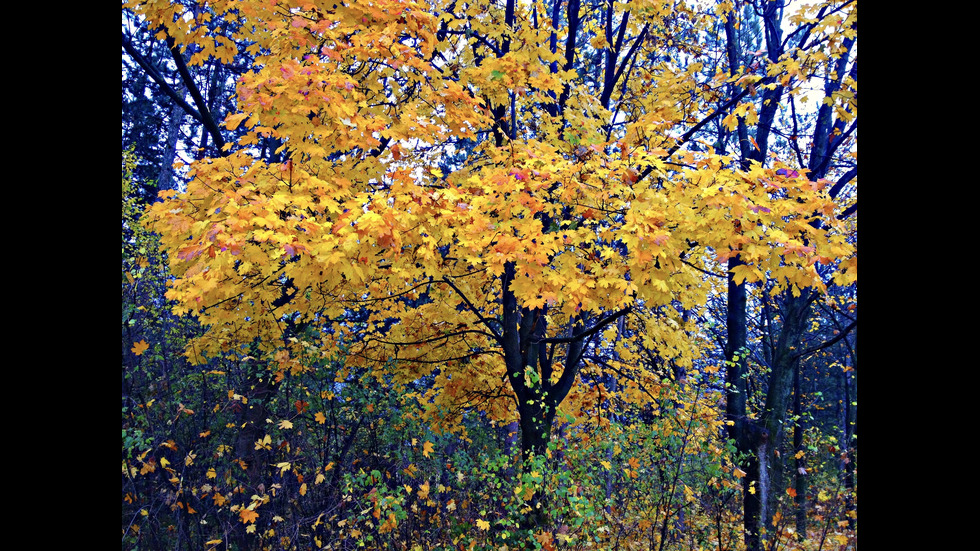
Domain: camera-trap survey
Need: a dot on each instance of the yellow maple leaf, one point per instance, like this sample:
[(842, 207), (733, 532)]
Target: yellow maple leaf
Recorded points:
[(232, 121), (427, 448), (285, 424), (320, 417), (140, 347), (482, 524)]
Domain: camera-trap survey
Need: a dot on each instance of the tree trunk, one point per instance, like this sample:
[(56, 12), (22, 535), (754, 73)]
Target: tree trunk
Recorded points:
[(850, 439), (794, 311), (800, 474), (166, 175), (749, 437)]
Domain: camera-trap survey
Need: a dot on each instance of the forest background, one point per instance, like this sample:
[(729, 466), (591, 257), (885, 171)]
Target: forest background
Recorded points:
[(489, 275)]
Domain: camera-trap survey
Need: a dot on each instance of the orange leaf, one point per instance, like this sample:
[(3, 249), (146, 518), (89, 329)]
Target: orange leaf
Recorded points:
[(791, 492), (248, 516), (140, 347)]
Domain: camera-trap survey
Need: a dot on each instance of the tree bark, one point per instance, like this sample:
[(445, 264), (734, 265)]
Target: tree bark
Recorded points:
[(850, 438), (800, 474), (166, 175)]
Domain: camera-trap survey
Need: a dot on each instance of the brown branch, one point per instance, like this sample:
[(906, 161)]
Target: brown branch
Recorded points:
[(827, 344)]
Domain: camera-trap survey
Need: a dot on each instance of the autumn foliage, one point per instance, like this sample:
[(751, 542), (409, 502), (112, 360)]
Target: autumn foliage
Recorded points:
[(453, 275)]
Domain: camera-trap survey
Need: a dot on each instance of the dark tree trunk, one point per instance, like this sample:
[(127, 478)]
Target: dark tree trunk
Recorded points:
[(800, 474), (751, 440), (794, 313), (850, 438), (749, 437)]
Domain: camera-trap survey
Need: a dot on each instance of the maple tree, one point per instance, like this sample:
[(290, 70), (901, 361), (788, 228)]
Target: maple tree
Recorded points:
[(759, 438), (512, 201)]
